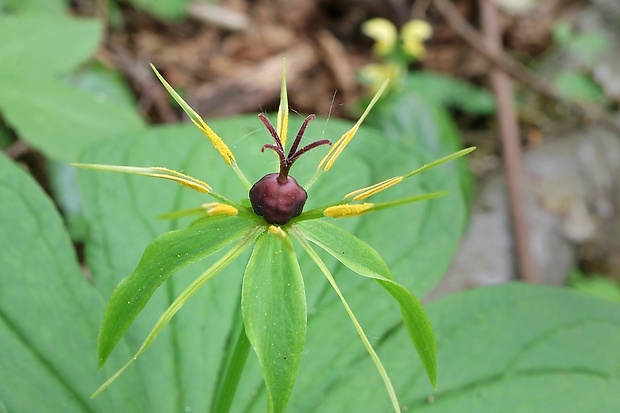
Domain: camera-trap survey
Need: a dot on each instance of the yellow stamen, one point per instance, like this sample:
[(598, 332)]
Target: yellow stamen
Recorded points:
[(282, 121), (154, 171), (275, 230), (217, 208), (345, 210), (344, 140), (219, 144), (364, 193), (195, 117)]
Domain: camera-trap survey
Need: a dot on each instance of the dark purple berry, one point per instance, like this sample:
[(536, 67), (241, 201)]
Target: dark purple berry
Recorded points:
[(278, 197), (277, 201)]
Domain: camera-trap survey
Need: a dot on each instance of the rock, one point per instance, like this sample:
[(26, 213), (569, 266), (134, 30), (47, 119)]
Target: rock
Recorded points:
[(572, 198)]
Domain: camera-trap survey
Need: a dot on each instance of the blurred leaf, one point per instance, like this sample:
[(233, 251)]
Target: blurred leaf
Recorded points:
[(516, 348), (35, 6), (417, 246), (450, 92), (596, 285), (44, 44), (165, 9), (49, 312), (562, 33), (578, 86), (58, 119), (105, 84), (273, 302)]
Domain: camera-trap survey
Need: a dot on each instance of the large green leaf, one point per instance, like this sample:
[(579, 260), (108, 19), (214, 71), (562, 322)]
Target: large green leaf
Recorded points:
[(417, 250), (166, 255), (59, 119), (45, 44), (49, 312), (512, 348), (273, 302)]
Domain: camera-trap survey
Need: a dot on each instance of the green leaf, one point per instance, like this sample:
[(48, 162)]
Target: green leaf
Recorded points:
[(166, 9), (449, 92), (163, 257), (364, 260), (578, 86), (44, 44), (273, 303), (49, 311), (58, 119), (35, 6), (517, 348)]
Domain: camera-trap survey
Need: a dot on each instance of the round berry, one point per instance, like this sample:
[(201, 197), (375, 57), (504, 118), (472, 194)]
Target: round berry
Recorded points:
[(277, 200)]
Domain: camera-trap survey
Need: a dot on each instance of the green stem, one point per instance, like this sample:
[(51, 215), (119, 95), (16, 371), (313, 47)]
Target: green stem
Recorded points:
[(233, 367)]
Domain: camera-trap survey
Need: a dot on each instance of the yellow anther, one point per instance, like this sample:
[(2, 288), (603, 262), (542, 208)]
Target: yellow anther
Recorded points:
[(195, 117), (345, 210), (364, 193), (219, 144), (217, 208), (178, 177), (344, 140), (282, 122), (276, 230)]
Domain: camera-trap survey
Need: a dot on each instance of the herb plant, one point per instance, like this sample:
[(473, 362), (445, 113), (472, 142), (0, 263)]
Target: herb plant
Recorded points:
[(273, 302)]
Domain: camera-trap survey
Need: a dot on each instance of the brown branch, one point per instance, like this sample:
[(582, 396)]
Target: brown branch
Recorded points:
[(513, 68), (509, 127)]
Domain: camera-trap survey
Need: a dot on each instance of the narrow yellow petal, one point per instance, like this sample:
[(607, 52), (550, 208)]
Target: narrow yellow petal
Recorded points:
[(154, 171), (195, 117), (282, 121), (346, 210), (344, 140), (218, 208), (364, 193)]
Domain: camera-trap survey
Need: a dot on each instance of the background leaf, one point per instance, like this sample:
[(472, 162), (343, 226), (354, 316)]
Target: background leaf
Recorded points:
[(59, 119), (45, 44), (514, 348), (49, 312), (35, 6), (166, 9)]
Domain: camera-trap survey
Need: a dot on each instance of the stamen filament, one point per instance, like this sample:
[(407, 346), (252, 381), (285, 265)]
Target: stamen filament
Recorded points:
[(154, 171), (219, 144), (364, 193), (329, 159)]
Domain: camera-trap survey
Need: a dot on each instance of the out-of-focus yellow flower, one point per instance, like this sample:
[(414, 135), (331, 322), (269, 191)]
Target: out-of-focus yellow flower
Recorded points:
[(383, 32), (413, 34)]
